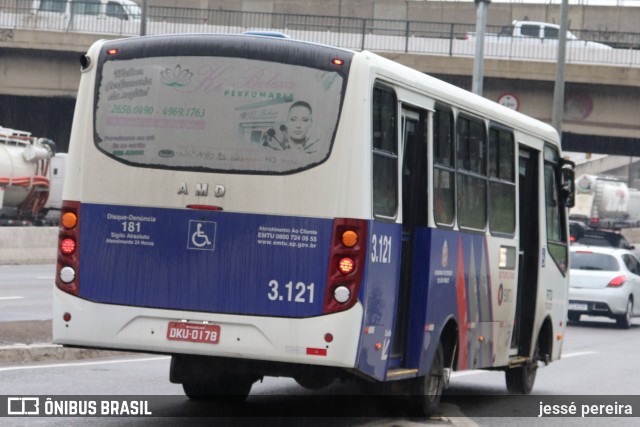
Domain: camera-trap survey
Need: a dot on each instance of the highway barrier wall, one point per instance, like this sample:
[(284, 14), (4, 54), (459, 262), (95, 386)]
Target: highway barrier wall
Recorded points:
[(28, 245)]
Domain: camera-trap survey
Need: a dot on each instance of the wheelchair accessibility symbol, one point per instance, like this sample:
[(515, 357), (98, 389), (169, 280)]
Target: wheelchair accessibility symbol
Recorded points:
[(202, 235)]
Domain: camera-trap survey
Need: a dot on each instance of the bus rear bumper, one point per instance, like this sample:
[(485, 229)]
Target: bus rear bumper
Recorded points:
[(142, 329)]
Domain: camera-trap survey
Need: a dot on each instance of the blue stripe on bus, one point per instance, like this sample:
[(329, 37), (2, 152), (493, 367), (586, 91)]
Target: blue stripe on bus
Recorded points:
[(434, 292), (209, 261), (459, 287), (450, 280), (479, 343), (378, 295)]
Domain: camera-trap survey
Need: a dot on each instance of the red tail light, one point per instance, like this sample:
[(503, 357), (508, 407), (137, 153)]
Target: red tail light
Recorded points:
[(67, 268), (346, 264), (617, 282), (67, 246)]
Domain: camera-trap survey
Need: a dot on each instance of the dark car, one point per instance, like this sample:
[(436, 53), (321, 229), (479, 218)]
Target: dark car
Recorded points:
[(585, 235), (576, 230)]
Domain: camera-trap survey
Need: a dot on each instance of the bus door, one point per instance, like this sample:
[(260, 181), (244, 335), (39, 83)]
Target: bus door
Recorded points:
[(528, 220), (414, 214)]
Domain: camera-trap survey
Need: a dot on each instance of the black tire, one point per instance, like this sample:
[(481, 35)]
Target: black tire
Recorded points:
[(314, 382), (429, 388), (624, 320), (520, 380), (226, 388), (574, 317)]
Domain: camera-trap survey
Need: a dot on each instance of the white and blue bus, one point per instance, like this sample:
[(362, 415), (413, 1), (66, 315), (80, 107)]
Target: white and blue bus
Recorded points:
[(258, 206)]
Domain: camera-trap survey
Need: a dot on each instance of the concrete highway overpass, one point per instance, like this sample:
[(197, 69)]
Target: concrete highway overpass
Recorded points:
[(39, 70)]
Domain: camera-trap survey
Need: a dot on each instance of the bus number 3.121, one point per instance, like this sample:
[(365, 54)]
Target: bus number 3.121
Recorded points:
[(299, 292), (381, 248)]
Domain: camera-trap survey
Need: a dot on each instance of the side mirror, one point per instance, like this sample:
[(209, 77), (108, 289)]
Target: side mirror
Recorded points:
[(568, 185)]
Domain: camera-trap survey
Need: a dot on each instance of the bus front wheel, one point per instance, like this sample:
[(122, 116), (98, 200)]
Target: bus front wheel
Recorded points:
[(520, 380)]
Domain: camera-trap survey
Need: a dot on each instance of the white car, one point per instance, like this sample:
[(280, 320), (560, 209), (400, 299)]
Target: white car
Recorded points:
[(604, 282)]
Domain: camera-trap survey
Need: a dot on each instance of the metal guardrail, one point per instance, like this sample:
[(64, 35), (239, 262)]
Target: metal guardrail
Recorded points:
[(414, 37)]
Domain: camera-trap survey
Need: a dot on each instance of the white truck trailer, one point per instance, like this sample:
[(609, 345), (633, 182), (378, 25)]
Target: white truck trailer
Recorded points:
[(31, 175), (602, 201)]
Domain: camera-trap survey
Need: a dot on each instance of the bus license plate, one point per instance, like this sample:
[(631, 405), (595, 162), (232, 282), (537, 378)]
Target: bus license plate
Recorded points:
[(193, 332), (578, 307)]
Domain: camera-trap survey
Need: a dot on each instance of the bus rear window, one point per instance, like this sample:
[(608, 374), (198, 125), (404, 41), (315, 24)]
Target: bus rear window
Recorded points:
[(216, 114)]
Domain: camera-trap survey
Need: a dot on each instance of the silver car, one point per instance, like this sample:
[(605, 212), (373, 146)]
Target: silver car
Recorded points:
[(604, 282)]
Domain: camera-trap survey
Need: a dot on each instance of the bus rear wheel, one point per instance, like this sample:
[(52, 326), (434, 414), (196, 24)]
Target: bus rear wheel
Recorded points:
[(429, 388), (311, 382), (233, 388)]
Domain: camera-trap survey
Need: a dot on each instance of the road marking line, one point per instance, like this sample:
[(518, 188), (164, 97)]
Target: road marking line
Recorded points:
[(465, 373), (3, 298), (578, 353), (65, 365)]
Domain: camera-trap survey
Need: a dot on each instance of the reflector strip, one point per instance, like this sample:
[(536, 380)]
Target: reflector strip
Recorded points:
[(205, 207), (316, 351)]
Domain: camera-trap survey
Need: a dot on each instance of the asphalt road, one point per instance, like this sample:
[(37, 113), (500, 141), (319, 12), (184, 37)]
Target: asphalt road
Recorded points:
[(26, 292), (599, 362)]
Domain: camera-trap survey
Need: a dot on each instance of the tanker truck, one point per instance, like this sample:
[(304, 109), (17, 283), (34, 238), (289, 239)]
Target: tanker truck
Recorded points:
[(31, 177), (602, 201)]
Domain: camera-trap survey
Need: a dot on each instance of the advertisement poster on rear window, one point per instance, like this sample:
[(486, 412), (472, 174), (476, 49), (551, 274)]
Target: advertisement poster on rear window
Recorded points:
[(212, 113)]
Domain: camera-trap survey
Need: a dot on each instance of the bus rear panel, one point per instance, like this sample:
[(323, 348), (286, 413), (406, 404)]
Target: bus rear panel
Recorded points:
[(193, 229)]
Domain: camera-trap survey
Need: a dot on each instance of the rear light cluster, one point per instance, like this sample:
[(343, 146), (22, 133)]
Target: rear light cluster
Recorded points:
[(617, 282), (68, 254), (346, 264)]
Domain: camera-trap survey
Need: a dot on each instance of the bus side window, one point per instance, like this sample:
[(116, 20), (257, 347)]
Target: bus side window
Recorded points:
[(443, 171), (385, 153), (471, 180), (502, 189)]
